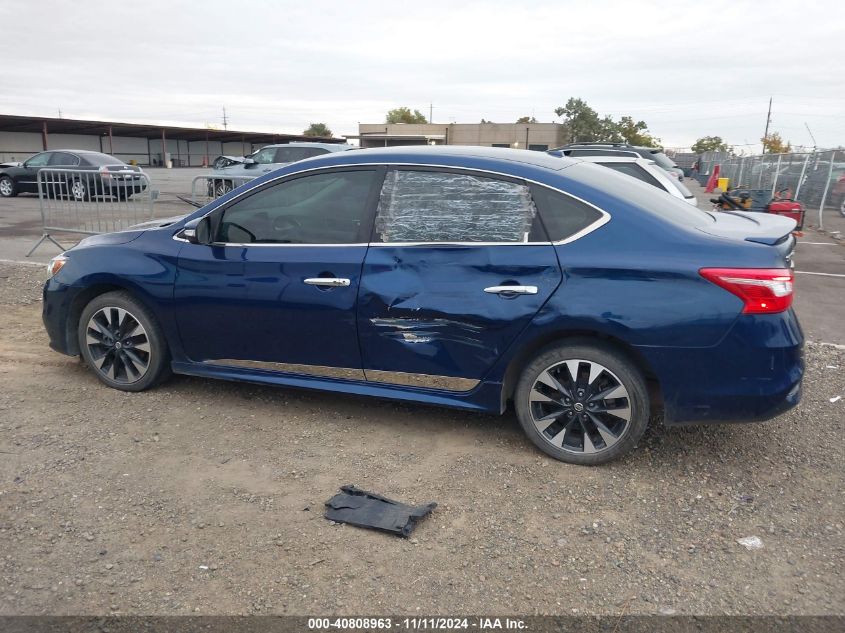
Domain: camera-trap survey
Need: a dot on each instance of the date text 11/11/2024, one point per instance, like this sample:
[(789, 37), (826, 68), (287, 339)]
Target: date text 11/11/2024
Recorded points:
[(417, 623)]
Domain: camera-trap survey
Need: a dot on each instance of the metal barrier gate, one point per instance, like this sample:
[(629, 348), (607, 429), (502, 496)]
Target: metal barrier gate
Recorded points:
[(214, 186), (93, 201)]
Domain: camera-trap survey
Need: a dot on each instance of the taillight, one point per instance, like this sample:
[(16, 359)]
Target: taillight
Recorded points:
[(105, 173), (763, 290)]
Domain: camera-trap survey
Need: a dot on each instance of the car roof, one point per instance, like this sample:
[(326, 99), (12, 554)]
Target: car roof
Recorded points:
[(87, 152), (617, 146), (328, 146), (616, 159), (429, 154)]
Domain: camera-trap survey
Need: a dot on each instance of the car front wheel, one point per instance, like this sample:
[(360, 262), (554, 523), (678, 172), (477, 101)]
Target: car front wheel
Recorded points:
[(582, 403), (122, 342), (7, 187)]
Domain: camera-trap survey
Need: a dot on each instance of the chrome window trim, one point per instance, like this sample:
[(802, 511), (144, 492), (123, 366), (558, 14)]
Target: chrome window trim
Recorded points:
[(600, 222)]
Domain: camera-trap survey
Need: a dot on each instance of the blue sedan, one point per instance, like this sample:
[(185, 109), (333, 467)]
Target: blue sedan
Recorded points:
[(459, 276)]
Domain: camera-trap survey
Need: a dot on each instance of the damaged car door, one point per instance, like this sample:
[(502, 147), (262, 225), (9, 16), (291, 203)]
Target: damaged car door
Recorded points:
[(458, 265), (276, 287)]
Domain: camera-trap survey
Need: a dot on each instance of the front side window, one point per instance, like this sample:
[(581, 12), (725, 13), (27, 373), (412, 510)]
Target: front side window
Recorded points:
[(264, 156), (328, 208), (39, 160), (432, 206)]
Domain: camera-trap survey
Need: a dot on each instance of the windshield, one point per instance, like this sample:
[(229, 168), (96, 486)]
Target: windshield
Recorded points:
[(648, 198)]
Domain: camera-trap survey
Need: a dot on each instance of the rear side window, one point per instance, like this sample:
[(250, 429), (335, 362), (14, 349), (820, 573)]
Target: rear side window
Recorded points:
[(292, 154), (431, 206), (63, 159), (102, 159), (632, 169), (563, 216)]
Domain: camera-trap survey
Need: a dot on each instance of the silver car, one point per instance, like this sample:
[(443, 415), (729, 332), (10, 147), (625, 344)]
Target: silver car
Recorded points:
[(230, 171), (647, 171)]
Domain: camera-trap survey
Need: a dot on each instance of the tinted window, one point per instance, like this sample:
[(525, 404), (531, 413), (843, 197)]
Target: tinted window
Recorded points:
[(563, 216), (63, 159), (431, 206), (39, 160), (320, 209), (292, 154), (632, 169), (101, 159), (662, 159)]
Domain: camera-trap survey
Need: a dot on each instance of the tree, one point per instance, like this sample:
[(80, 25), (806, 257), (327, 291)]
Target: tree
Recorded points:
[(582, 121), (710, 144), (636, 133), (404, 115), (585, 125), (526, 119), (773, 144), (317, 129)]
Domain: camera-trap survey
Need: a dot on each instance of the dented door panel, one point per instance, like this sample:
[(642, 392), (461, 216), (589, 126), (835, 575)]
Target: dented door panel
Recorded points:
[(423, 309)]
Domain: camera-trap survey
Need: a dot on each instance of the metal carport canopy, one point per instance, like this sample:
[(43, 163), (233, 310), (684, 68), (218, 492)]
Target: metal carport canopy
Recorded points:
[(15, 123)]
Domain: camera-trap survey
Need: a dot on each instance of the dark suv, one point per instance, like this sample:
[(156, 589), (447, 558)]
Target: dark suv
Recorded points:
[(620, 149)]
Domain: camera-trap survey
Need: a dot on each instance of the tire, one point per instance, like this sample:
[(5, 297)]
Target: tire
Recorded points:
[(122, 343), (842, 208), (79, 191), (7, 187), (222, 188), (556, 423)]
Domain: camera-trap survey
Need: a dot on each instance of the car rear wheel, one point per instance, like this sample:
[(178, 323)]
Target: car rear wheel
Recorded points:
[(582, 403), (78, 191), (122, 342), (842, 208), (7, 187)]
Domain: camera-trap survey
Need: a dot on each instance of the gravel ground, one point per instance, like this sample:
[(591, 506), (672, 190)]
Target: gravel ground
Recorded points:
[(207, 497)]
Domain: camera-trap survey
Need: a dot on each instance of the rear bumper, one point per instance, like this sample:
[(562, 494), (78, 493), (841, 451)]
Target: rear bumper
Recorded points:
[(753, 374)]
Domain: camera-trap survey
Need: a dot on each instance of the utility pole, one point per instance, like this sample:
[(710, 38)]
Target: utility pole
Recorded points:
[(768, 120), (431, 113), (60, 113), (225, 120)]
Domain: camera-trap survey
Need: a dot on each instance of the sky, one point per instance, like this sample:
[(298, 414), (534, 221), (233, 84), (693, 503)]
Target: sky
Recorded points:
[(688, 69)]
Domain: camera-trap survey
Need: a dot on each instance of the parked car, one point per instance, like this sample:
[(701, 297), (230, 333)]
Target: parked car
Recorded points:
[(102, 175), (580, 150), (265, 160), (468, 277), (646, 171)]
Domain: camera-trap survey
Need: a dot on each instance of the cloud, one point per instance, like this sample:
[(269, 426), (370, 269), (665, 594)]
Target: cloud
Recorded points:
[(688, 70)]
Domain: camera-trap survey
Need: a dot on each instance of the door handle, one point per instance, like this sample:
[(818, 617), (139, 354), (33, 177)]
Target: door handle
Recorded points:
[(331, 282), (512, 290)]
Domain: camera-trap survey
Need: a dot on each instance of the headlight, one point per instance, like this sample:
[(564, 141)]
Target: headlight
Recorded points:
[(56, 264)]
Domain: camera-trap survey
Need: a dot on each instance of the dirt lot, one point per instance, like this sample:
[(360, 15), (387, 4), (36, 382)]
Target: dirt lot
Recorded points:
[(111, 502)]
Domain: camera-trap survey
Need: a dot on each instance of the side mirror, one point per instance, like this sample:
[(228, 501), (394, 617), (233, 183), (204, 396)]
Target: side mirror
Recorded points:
[(197, 231), (249, 161)]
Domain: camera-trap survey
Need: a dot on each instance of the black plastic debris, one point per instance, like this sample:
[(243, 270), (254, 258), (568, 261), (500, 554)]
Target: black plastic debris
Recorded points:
[(369, 510)]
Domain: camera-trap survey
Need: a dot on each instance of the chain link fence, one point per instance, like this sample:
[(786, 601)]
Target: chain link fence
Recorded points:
[(815, 179)]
